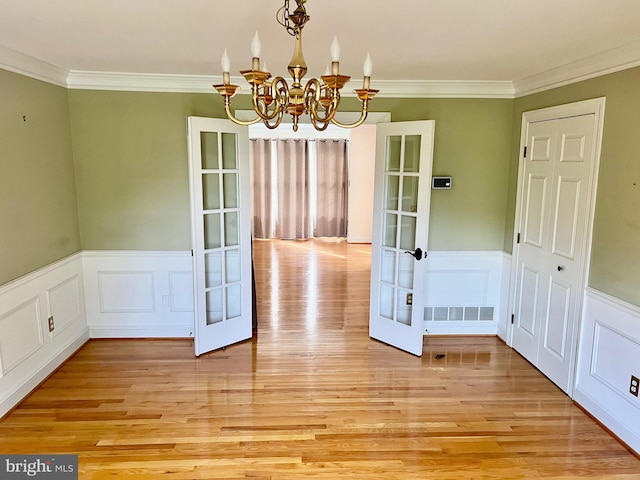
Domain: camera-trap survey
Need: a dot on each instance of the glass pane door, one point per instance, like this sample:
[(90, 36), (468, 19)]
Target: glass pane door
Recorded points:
[(221, 235), (401, 209)]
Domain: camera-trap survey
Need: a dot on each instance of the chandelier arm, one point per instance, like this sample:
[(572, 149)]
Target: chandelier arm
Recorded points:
[(278, 120), (360, 121), (330, 109), (313, 99), (244, 123), (263, 107), (320, 126)]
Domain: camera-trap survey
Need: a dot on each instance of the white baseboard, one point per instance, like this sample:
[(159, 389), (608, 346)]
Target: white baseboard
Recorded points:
[(147, 331), (359, 239), (29, 352), (458, 328), (609, 353)]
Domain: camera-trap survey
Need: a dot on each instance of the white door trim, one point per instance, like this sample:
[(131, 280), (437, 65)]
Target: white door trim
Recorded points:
[(594, 106)]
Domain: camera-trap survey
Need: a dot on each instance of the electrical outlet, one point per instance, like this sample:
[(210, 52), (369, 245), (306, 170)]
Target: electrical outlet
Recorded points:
[(633, 387), (409, 298), (51, 325)]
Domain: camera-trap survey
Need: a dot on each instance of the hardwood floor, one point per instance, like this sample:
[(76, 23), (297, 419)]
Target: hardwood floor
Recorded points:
[(311, 396)]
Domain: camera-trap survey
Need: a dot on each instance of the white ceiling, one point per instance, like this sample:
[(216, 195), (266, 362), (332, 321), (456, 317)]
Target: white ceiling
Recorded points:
[(416, 40)]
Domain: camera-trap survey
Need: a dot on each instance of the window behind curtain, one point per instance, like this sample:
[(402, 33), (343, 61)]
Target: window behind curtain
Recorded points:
[(299, 188)]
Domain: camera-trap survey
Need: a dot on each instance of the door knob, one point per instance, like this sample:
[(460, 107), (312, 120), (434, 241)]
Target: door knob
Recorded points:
[(560, 268), (417, 254)]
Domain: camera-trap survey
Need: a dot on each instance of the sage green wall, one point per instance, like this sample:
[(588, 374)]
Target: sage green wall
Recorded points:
[(472, 145), (615, 258), (38, 215), (130, 151)]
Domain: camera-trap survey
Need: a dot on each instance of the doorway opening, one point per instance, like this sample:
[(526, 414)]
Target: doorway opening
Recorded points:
[(299, 275)]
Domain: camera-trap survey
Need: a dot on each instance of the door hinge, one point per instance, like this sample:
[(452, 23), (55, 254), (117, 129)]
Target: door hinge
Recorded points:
[(192, 252), (513, 318), (525, 151), (518, 238)]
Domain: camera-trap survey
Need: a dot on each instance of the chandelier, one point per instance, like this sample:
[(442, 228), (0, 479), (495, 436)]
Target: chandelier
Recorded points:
[(273, 97)]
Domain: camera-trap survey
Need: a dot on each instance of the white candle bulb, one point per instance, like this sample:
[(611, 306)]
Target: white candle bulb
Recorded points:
[(335, 50), (256, 46), (368, 66), (225, 62)]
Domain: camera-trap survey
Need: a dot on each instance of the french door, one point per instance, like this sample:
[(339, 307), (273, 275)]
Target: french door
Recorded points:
[(557, 192), (404, 153), (221, 233)]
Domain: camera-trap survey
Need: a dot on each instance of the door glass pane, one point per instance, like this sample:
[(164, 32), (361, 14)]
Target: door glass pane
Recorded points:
[(405, 271), (388, 266), (410, 194), (231, 229), (404, 310), (386, 301), (390, 229), (232, 263), (393, 191), (209, 149), (408, 233), (234, 303), (212, 232), (210, 191), (230, 186), (394, 147), (229, 147), (213, 269), (412, 153), (214, 306)]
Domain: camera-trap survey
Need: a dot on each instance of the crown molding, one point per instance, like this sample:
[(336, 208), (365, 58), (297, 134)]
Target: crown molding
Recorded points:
[(32, 67), (603, 63), (142, 82), (444, 88), (85, 80)]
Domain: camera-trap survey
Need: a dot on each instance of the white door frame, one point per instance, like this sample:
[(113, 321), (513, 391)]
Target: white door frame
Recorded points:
[(594, 106)]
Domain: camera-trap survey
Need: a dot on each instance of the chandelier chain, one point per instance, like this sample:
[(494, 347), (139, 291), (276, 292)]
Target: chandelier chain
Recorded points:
[(293, 23)]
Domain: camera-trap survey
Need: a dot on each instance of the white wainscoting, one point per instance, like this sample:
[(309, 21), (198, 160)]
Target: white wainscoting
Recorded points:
[(466, 292), (138, 294), (28, 351), (609, 354)]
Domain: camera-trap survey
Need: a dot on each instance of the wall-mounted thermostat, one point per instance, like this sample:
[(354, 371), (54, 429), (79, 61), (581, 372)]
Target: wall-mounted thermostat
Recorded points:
[(441, 183)]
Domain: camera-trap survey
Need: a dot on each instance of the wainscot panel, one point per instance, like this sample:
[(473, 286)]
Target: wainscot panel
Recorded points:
[(609, 356), (466, 293), (42, 323), (138, 294)]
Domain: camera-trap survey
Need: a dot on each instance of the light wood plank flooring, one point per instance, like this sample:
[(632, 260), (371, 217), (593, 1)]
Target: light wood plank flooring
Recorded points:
[(311, 396)]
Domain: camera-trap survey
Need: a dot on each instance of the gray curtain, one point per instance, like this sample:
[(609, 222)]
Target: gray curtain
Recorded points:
[(294, 212), (261, 168), (332, 188)]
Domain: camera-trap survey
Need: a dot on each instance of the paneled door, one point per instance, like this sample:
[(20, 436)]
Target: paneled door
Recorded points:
[(221, 235), (556, 201), (404, 153)]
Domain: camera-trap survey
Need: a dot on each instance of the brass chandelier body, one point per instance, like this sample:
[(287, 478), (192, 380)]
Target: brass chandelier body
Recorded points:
[(273, 97)]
